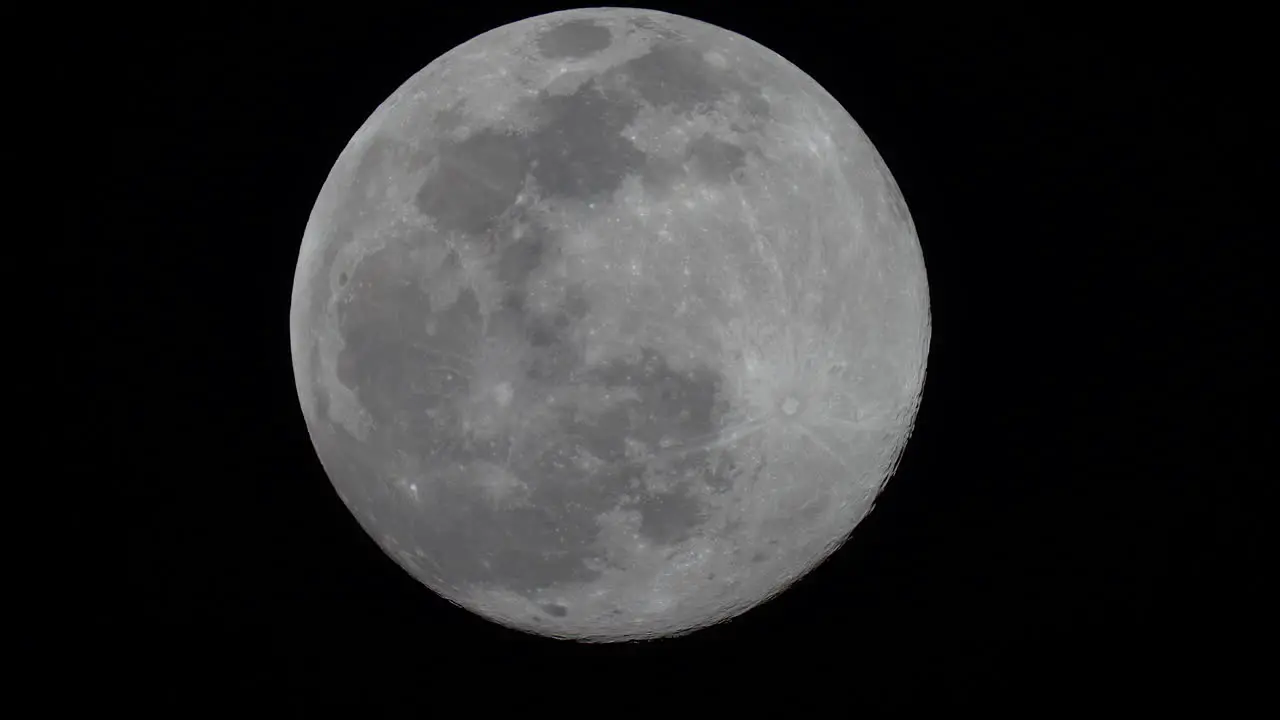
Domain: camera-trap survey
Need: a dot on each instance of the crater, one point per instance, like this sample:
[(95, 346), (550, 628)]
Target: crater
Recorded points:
[(555, 610), (575, 39)]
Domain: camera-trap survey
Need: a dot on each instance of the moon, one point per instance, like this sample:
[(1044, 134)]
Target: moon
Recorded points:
[(609, 324)]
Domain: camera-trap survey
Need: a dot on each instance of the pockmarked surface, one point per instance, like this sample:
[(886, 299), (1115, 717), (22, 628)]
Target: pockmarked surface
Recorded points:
[(609, 324)]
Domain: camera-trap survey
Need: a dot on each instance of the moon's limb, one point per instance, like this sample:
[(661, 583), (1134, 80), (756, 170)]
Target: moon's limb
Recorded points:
[(609, 324)]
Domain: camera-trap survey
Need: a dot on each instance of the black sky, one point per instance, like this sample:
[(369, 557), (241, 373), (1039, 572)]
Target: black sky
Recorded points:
[(1071, 520)]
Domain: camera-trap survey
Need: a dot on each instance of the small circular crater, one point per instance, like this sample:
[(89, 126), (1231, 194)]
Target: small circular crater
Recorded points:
[(342, 279), (555, 610)]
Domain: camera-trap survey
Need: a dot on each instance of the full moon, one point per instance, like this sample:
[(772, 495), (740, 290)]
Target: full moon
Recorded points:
[(609, 324)]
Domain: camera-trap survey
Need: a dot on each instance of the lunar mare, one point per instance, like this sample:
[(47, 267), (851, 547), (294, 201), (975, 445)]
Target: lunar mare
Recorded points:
[(609, 324)]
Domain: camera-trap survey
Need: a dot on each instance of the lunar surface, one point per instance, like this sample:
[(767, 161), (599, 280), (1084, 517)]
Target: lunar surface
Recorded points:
[(609, 324)]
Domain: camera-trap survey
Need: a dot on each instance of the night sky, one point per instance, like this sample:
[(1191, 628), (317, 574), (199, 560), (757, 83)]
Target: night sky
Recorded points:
[(1071, 520)]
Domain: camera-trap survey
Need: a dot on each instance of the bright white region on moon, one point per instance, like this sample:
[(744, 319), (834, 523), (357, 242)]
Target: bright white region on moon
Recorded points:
[(609, 324)]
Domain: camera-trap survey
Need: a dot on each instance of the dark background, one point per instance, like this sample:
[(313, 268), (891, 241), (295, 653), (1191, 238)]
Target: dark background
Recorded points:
[(1072, 520)]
